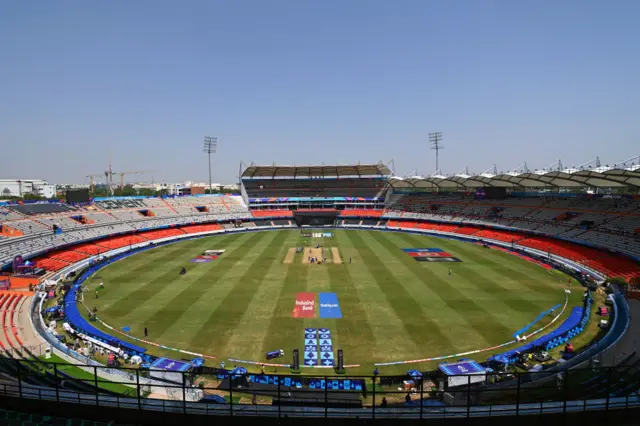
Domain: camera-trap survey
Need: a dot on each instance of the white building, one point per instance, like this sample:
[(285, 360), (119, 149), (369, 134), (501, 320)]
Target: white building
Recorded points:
[(21, 187)]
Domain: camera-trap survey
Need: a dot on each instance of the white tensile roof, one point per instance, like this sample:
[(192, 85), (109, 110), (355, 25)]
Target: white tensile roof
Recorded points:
[(604, 176)]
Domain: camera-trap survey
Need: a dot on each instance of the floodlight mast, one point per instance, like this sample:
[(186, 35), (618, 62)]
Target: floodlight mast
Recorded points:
[(210, 146), (435, 139)]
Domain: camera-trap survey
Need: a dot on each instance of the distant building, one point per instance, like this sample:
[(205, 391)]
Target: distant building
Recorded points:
[(22, 187), (63, 187)]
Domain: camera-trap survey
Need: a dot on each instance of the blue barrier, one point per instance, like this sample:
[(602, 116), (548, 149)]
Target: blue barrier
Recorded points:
[(569, 329), (73, 316), (538, 318)]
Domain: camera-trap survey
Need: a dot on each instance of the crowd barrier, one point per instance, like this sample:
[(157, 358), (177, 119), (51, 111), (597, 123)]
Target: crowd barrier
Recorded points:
[(579, 390)]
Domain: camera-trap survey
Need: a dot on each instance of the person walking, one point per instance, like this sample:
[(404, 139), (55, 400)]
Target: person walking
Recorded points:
[(146, 332)]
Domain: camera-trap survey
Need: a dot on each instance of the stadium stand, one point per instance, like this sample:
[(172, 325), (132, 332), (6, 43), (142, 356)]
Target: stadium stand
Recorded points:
[(192, 229), (366, 181), (538, 222), (361, 212), (314, 188), (40, 208), (9, 214), (271, 213)]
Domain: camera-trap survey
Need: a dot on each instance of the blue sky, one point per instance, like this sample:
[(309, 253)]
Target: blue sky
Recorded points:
[(308, 82)]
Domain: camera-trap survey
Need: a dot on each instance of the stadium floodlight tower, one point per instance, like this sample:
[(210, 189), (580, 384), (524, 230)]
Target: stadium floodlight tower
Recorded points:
[(436, 144), (210, 145)]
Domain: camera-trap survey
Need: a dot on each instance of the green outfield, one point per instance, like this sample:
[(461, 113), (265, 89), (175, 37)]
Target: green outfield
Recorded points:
[(393, 307)]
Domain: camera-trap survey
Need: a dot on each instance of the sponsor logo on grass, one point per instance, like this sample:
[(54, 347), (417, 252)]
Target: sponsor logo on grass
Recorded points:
[(203, 259), (430, 255), (305, 306), (329, 306)]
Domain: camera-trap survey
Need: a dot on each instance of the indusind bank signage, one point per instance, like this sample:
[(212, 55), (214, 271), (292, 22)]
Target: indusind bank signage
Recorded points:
[(305, 306)]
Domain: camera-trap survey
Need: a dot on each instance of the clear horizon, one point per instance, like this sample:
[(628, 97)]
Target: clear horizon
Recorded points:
[(310, 83)]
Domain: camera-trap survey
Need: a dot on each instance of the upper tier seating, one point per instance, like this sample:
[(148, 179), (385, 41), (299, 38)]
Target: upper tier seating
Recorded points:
[(40, 208), (9, 214), (269, 188), (608, 223)]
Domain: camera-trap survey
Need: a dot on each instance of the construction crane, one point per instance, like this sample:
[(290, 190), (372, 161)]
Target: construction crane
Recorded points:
[(136, 172), (93, 180)]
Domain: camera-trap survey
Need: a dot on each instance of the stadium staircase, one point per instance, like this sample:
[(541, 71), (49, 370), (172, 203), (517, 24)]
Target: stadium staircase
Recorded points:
[(224, 203), (170, 206)]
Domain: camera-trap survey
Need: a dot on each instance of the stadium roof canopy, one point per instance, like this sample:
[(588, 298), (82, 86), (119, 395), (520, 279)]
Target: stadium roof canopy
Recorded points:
[(599, 177), (272, 172)]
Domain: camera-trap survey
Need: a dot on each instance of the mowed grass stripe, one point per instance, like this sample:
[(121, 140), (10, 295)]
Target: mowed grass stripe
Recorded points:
[(535, 279), (390, 337), (414, 320), (479, 275), (353, 329), (125, 274), (212, 289), (482, 320), (442, 316), (167, 307), (130, 291), (217, 329), (252, 332), (285, 331), (133, 266)]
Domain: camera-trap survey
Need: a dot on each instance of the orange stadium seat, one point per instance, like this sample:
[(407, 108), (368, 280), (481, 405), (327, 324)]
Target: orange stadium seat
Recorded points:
[(361, 212), (51, 264), (89, 248), (161, 233), (69, 256), (192, 229), (428, 226), (123, 240), (271, 213), (500, 235), (466, 230)]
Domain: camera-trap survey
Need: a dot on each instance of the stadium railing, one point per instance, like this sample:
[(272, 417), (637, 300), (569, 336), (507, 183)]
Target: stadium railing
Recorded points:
[(376, 396)]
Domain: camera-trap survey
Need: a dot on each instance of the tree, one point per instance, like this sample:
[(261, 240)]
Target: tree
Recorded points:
[(34, 197)]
